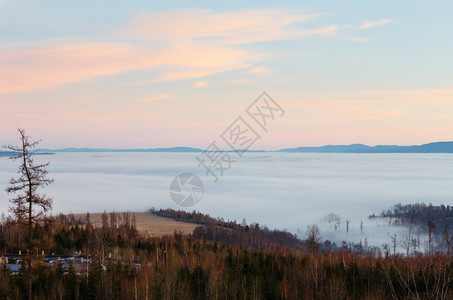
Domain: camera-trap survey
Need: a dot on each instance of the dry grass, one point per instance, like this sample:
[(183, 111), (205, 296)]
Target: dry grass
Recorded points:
[(150, 224)]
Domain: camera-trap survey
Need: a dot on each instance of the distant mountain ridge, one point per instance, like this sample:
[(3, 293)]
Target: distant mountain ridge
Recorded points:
[(6, 153), (10, 153), (436, 147)]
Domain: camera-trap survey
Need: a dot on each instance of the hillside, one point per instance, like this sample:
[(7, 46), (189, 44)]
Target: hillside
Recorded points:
[(149, 224)]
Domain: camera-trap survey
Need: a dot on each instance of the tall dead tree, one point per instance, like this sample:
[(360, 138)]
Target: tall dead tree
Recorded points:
[(28, 205)]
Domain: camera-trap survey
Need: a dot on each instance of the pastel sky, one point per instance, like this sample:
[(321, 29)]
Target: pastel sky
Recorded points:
[(128, 74)]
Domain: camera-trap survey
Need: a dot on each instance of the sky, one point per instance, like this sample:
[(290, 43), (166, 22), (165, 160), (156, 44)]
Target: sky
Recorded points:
[(148, 74)]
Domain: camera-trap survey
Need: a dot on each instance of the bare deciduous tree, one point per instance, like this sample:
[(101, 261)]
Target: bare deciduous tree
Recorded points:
[(409, 243), (28, 204), (313, 238)]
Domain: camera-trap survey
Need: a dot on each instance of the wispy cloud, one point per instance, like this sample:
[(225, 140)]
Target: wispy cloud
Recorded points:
[(324, 31), (381, 97), (241, 81), (238, 27), (156, 97), (199, 43), (49, 66), (259, 70), (405, 95), (367, 25), (200, 84), (46, 67)]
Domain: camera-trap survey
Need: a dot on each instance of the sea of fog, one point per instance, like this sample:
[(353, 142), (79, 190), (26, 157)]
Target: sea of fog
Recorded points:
[(280, 190)]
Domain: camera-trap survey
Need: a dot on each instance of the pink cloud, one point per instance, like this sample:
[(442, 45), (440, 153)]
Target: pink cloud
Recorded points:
[(230, 28), (53, 65), (156, 97), (376, 23), (241, 81), (201, 43), (259, 70), (49, 66), (200, 84)]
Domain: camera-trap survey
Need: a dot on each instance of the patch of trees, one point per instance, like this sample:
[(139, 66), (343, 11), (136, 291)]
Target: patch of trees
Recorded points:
[(421, 214), (253, 236), (422, 220)]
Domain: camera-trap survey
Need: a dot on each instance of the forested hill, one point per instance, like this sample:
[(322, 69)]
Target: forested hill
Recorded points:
[(252, 236)]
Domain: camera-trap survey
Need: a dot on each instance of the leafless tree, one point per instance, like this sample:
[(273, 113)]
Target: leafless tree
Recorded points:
[(448, 239), (347, 226), (28, 205), (394, 243), (313, 238), (385, 247), (409, 243), (105, 220), (431, 227)]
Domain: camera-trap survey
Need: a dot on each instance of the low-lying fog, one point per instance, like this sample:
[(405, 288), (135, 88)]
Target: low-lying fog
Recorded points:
[(280, 190)]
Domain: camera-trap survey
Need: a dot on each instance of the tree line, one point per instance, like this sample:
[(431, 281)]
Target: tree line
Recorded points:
[(189, 267), (253, 236), (419, 214)]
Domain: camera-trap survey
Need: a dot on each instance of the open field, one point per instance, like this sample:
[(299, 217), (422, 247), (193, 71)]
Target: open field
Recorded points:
[(150, 224)]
